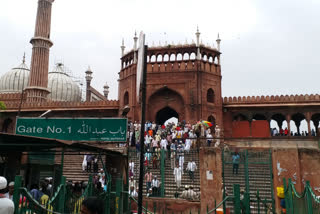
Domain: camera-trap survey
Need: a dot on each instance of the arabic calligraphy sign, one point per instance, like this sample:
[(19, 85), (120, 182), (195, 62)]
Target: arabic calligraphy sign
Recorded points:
[(74, 129)]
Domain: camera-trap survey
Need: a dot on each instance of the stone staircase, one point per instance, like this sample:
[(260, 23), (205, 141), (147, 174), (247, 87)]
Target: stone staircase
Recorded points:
[(259, 177), (72, 167), (169, 183)]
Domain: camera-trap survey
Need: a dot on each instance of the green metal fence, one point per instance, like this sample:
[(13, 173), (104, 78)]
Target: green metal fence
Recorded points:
[(239, 203), (305, 202), (64, 201), (255, 179)]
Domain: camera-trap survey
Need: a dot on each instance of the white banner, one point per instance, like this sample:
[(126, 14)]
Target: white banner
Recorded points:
[(140, 64)]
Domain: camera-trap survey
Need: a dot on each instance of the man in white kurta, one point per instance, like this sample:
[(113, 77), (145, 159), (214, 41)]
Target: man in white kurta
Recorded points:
[(180, 153), (177, 172), (187, 145)]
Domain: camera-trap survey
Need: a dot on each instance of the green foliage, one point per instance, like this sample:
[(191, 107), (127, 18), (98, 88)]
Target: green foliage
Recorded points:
[(2, 106)]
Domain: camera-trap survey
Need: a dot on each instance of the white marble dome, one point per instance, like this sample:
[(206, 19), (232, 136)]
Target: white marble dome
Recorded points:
[(15, 80), (62, 86)]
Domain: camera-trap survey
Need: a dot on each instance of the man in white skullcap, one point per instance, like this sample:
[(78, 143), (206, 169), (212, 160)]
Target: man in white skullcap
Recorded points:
[(9, 194), (6, 205)]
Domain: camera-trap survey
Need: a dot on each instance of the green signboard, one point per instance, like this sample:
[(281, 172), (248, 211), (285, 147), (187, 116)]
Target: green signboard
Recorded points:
[(74, 129)]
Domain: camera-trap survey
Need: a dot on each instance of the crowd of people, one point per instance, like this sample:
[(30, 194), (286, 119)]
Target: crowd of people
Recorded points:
[(285, 132), (90, 165), (176, 140), (163, 136)]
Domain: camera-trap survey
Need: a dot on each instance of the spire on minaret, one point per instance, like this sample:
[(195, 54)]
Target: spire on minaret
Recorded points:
[(198, 40), (122, 48), (218, 42), (106, 90), (88, 86), (135, 39), (198, 36), (24, 58), (37, 89)]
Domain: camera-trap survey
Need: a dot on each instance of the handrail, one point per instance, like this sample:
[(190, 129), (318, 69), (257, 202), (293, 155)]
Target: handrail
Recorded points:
[(30, 198), (264, 203), (56, 194), (317, 199), (221, 203), (145, 209)]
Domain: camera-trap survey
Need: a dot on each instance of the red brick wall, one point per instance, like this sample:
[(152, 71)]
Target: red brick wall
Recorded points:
[(240, 129), (290, 165), (210, 160), (310, 167), (260, 128)]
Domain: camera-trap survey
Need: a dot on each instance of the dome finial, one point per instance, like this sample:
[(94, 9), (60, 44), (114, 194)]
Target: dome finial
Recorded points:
[(218, 42), (198, 35), (106, 90), (24, 58), (122, 47)]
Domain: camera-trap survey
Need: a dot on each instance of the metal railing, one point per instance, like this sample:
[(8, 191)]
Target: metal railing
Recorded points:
[(306, 202)]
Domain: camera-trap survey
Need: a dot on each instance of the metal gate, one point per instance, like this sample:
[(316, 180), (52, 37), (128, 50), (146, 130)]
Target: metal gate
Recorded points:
[(254, 176)]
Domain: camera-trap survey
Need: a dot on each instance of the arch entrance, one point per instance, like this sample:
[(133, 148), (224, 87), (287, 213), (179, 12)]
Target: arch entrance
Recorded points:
[(164, 114), (164, 104)]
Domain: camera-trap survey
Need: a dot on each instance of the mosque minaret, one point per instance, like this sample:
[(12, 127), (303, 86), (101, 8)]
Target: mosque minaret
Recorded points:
[(37, 90)]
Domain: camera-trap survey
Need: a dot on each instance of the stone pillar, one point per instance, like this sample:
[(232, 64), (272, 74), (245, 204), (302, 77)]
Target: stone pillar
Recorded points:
[(37, 89), (210, 166), (316, 124), (288, 119), (250, 116), (308, 119)]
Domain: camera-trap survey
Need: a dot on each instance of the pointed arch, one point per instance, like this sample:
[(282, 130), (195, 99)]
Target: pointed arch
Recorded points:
[(210, 95), (126, 98)]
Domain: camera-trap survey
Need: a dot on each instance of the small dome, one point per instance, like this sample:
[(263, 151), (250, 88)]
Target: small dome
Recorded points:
[(62, 86), (15, 80)]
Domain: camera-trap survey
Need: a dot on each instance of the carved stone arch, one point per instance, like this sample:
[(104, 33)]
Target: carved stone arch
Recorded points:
[(179, 56), (216, 59), (192, 56), (279, 118), (315, 119), (204, 57), (159, 57), (161, 99), (186, 56), (153, 58), (166, 57), (297, 118), (210, 95), (172, 57), (259, 116), (164, 114), (126, 98), (240, 117)]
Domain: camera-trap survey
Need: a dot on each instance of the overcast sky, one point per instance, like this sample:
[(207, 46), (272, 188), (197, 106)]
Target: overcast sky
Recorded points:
[(268, 47)]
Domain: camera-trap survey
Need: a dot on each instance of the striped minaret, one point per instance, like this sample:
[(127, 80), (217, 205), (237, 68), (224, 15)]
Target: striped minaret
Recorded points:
[(37, 89)]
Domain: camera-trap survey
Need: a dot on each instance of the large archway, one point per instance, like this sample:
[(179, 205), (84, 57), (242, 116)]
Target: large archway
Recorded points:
[(164, 104), (164, 114)]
